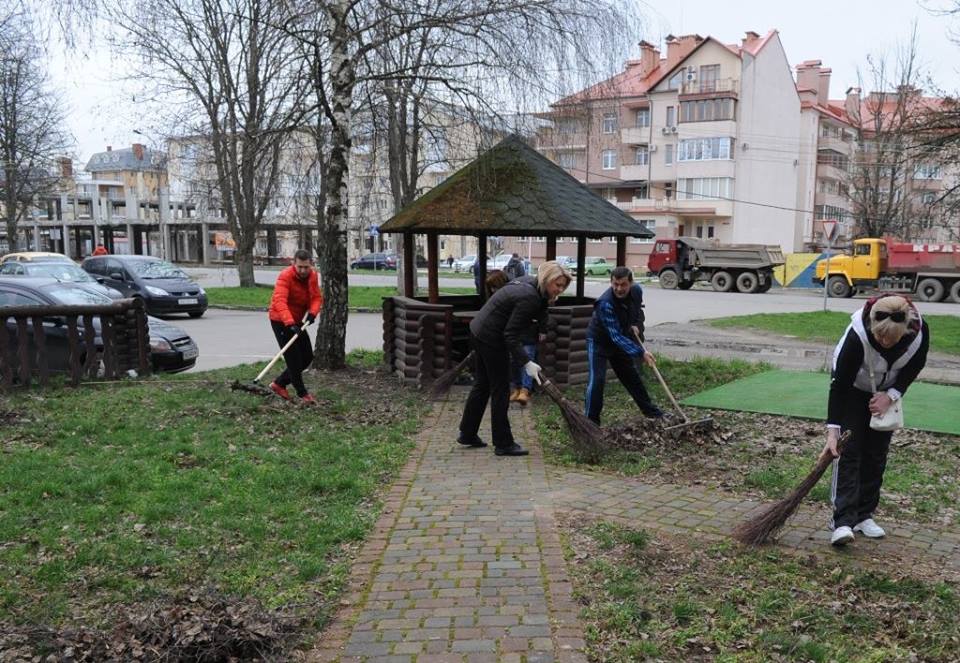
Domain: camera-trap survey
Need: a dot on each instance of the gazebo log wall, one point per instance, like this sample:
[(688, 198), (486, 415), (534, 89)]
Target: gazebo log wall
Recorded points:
[(421, 340)]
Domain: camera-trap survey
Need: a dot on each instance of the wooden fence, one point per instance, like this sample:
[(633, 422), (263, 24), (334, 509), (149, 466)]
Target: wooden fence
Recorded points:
[(122, 344)]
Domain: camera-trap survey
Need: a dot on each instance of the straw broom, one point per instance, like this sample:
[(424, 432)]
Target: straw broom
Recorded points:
[(443, 383), (767, 523), (584, 432)]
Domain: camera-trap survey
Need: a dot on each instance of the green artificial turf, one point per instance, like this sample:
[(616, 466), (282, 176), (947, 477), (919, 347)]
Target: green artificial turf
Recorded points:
[(929, 407)]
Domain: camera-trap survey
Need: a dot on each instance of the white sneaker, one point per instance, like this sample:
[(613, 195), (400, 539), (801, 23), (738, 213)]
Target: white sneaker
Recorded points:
[(841, 536), (870, 529)]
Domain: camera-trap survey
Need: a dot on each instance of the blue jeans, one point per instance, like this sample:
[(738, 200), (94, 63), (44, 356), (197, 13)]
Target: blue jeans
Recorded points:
[(520, 377)]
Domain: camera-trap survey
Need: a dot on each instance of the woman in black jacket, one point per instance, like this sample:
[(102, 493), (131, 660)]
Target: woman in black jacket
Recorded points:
[(876, 360), (496, 335)]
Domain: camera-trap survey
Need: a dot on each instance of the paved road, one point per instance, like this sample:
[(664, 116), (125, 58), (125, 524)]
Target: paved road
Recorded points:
[(227, 338)]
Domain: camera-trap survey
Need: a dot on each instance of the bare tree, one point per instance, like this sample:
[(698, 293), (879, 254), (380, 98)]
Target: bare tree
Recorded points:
[(224, 71), (32, 134), (501, 50), (885, 178)]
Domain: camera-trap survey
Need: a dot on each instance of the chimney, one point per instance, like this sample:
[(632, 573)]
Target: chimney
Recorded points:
[(823, 86), (109, 148), (138, 151), (749, 38), (852, 103), (807, 75), (66, 167), (678, 47), (649, 57)]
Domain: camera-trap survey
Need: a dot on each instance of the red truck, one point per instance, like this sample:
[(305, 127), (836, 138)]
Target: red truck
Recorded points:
[(681, 262)]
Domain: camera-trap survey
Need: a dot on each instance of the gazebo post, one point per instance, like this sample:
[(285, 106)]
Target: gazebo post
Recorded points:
[(433, 265), (621, 251), (482, 264), (551, 247), (581, 263), (409, 264)]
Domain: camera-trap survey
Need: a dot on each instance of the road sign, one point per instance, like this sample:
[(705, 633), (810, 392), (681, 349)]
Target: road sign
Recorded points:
[(829, 229), (374, 230)]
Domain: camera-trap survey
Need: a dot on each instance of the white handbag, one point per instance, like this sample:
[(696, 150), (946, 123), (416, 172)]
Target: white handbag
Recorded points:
[(890, 420)]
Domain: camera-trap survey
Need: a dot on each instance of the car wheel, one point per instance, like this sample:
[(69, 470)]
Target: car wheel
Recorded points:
[(747, 282), (195, 314), (955, 293), (668, 279), (837, 286), (930, 290), (722, 281)]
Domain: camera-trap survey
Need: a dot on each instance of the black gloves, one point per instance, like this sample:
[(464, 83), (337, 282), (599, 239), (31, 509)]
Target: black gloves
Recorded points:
[(294, 329), (310, 318)]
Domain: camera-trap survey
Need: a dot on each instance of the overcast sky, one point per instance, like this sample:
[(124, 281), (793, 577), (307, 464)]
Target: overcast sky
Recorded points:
[(839, 32)]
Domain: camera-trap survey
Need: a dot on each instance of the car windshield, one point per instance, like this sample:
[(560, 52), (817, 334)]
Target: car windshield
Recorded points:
[(60, 271), (156, 269), (78, 296)]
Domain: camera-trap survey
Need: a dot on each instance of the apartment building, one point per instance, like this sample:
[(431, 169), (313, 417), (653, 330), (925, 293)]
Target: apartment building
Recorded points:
[(701, 141)]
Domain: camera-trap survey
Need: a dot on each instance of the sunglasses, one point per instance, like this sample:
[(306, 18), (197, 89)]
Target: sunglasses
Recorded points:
[(896, 316)]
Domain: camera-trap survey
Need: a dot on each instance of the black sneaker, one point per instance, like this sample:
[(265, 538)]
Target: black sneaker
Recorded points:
[(655, 413), (473, 443), (512, 450)]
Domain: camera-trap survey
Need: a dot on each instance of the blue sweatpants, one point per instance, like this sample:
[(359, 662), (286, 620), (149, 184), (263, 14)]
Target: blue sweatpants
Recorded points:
[(626, 371)]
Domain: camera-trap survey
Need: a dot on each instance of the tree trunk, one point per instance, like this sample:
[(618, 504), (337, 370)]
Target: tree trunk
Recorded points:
[(245, 269), (332, 241)]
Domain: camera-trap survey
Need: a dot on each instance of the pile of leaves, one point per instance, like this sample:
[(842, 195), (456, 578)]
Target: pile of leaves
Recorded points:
[(192, 628), (653, 434)]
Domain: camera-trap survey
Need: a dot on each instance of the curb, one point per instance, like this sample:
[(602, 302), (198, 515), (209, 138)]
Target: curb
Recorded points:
[(263, 309)]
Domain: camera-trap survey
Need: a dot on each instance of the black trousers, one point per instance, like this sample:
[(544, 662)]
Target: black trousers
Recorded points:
[(858, 473), (491, 382), (625, 368), (298, 357)]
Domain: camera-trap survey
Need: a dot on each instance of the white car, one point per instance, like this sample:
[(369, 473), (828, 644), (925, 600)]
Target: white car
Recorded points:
[(464, 264), (499, 262)]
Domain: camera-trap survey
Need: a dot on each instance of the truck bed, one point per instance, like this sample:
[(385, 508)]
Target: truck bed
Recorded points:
[(905, 257)]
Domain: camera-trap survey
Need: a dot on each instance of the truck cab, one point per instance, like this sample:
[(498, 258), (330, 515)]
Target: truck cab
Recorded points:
[(848, 272), (664, 253)]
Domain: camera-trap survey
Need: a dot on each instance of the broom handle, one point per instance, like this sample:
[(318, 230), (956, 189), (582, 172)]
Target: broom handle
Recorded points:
[(286, 347), (663, 383)]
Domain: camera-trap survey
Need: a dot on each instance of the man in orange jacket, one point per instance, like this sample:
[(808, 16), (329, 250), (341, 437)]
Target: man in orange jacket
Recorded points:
[(296, 293)]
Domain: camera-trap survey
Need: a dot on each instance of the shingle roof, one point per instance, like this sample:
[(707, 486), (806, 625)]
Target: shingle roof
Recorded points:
[(124, 159), (512, 189)]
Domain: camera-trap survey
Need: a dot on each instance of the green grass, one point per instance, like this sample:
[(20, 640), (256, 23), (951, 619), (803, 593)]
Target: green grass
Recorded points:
[(676, 601), (121, 493), (359, 296), (829, 325)]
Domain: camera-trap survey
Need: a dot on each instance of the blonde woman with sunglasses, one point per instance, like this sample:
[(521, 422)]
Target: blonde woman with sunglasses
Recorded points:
[(879, 356)]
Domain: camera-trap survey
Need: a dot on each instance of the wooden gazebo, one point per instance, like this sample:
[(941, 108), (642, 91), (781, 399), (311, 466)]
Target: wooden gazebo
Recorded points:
[(510, 190)]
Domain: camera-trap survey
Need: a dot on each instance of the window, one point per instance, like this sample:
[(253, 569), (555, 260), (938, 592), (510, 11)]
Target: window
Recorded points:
[(706, 110), (609, 123), (705, 149), (567, 160), (674, 82), (701, 188), (643, 117), (567, 126), (671, 116), (928, 198), (861, 250), (709, 231), (609, 159), (642, 191), (700, 232), (709, 75), (927, 171), (8, 298), (668, 154), (647, 224), (642, 157)]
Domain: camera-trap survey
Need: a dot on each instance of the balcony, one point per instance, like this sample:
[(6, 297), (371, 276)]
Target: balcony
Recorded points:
[(635, 172), (831, 142), (699, 208), (832, 172), (722, 87), (562, 141), (635, 135), (831, 200)]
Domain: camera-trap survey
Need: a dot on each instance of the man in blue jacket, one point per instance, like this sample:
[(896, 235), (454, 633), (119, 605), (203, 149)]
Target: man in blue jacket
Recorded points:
[(612, 337)]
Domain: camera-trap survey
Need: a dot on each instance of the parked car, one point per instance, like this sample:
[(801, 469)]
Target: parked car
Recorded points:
[(464, 264), (36, 256), (375, 261), (593, 265), (65, 272), (171, 349), (164, 287), (567, 261), (498, 262)]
